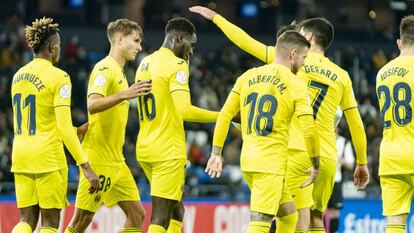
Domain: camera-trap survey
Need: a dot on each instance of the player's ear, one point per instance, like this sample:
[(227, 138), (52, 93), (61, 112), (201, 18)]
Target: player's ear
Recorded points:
[(309, 36), (399, 44), (293, 53)]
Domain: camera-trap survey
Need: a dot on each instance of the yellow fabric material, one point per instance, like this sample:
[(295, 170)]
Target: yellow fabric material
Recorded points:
[(39, 90), (116, 184), (22, 227), (156, 229), (48, 230), (175, 226), (267, 98), (329, 86), (395, 83), (395, 228), (105, 137), (166, 178), (258, 227), (189, 112), (162, 112), (359, 139), (287, 224), (244, 41), (266, 191), (131, 230), (323, 185), (397, 193), (41, 189), (298, 163)]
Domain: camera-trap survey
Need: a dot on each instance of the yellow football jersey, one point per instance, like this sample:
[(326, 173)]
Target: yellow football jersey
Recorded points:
[(38, 88), (105, 137), (395, 84), (268, 97), (329, 86), (161, 135)]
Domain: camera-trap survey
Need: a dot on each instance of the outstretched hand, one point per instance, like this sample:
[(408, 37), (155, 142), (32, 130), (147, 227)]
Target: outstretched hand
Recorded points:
[(203, 11), (214, 166), (361, 177)]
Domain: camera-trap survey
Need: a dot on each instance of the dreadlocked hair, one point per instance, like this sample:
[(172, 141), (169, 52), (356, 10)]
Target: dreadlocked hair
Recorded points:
[(37, 34)]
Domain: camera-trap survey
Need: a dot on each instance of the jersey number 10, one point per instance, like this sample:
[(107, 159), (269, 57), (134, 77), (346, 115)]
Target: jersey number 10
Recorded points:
[(260, 114), (401, 118), (29, 102), (143, 107)]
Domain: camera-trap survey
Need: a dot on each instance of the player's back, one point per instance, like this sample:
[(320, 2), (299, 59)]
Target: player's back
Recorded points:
[(161, 136), (37, 89), (395, 84), (267, 103), (329, 86)]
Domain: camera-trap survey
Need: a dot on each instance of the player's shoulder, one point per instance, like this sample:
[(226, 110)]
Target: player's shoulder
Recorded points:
[(103, 65), (55, 72)]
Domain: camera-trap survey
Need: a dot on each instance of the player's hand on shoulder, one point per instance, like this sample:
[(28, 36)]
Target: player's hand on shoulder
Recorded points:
[(139, 88), (203, 11), (91, 176), (214, 166), (361, 177)]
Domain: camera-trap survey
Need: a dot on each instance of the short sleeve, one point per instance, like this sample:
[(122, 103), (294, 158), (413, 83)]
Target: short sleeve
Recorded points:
[(179, 78), (62, 91), (301, 99), (348, 99), (100, 81)]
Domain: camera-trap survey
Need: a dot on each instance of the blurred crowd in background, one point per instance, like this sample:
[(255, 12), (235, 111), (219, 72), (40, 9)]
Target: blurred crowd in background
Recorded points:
[(212, 75)]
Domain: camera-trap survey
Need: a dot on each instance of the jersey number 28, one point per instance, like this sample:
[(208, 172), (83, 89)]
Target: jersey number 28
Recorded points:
[(401, 111)]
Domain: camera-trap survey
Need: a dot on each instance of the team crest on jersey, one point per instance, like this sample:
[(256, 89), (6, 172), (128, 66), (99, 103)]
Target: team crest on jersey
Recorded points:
[(100, 80), (65, 91), (181, 77)]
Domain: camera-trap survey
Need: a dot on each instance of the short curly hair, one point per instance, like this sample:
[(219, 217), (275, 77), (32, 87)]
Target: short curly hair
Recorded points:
[(38, 33), (180, 24)]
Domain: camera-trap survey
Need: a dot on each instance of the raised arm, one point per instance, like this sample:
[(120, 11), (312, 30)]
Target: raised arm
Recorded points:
[(237, 35)]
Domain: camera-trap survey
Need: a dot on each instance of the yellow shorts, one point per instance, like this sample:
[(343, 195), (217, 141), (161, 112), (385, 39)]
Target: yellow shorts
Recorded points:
[(166, 178), (48, 190), (268, 191), (324, 183), (298, 163), (116, 184), (397, 193)]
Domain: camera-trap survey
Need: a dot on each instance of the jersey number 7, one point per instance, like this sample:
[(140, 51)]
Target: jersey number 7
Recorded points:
[(322, 90)]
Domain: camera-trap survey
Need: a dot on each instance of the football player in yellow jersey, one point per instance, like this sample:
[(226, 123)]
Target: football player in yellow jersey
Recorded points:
[(161, 147), (395, 85), (329, 87), (108, 106), (268, 97), (41, 95)]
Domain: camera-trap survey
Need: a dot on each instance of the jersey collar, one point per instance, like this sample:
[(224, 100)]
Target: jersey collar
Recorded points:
[(114, 62), (42, 60), (166, 50)]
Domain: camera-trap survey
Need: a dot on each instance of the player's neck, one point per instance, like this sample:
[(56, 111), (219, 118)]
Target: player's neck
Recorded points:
[(43, 56), (407, 51), (283, 62), (316, 49), (117, 56)]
